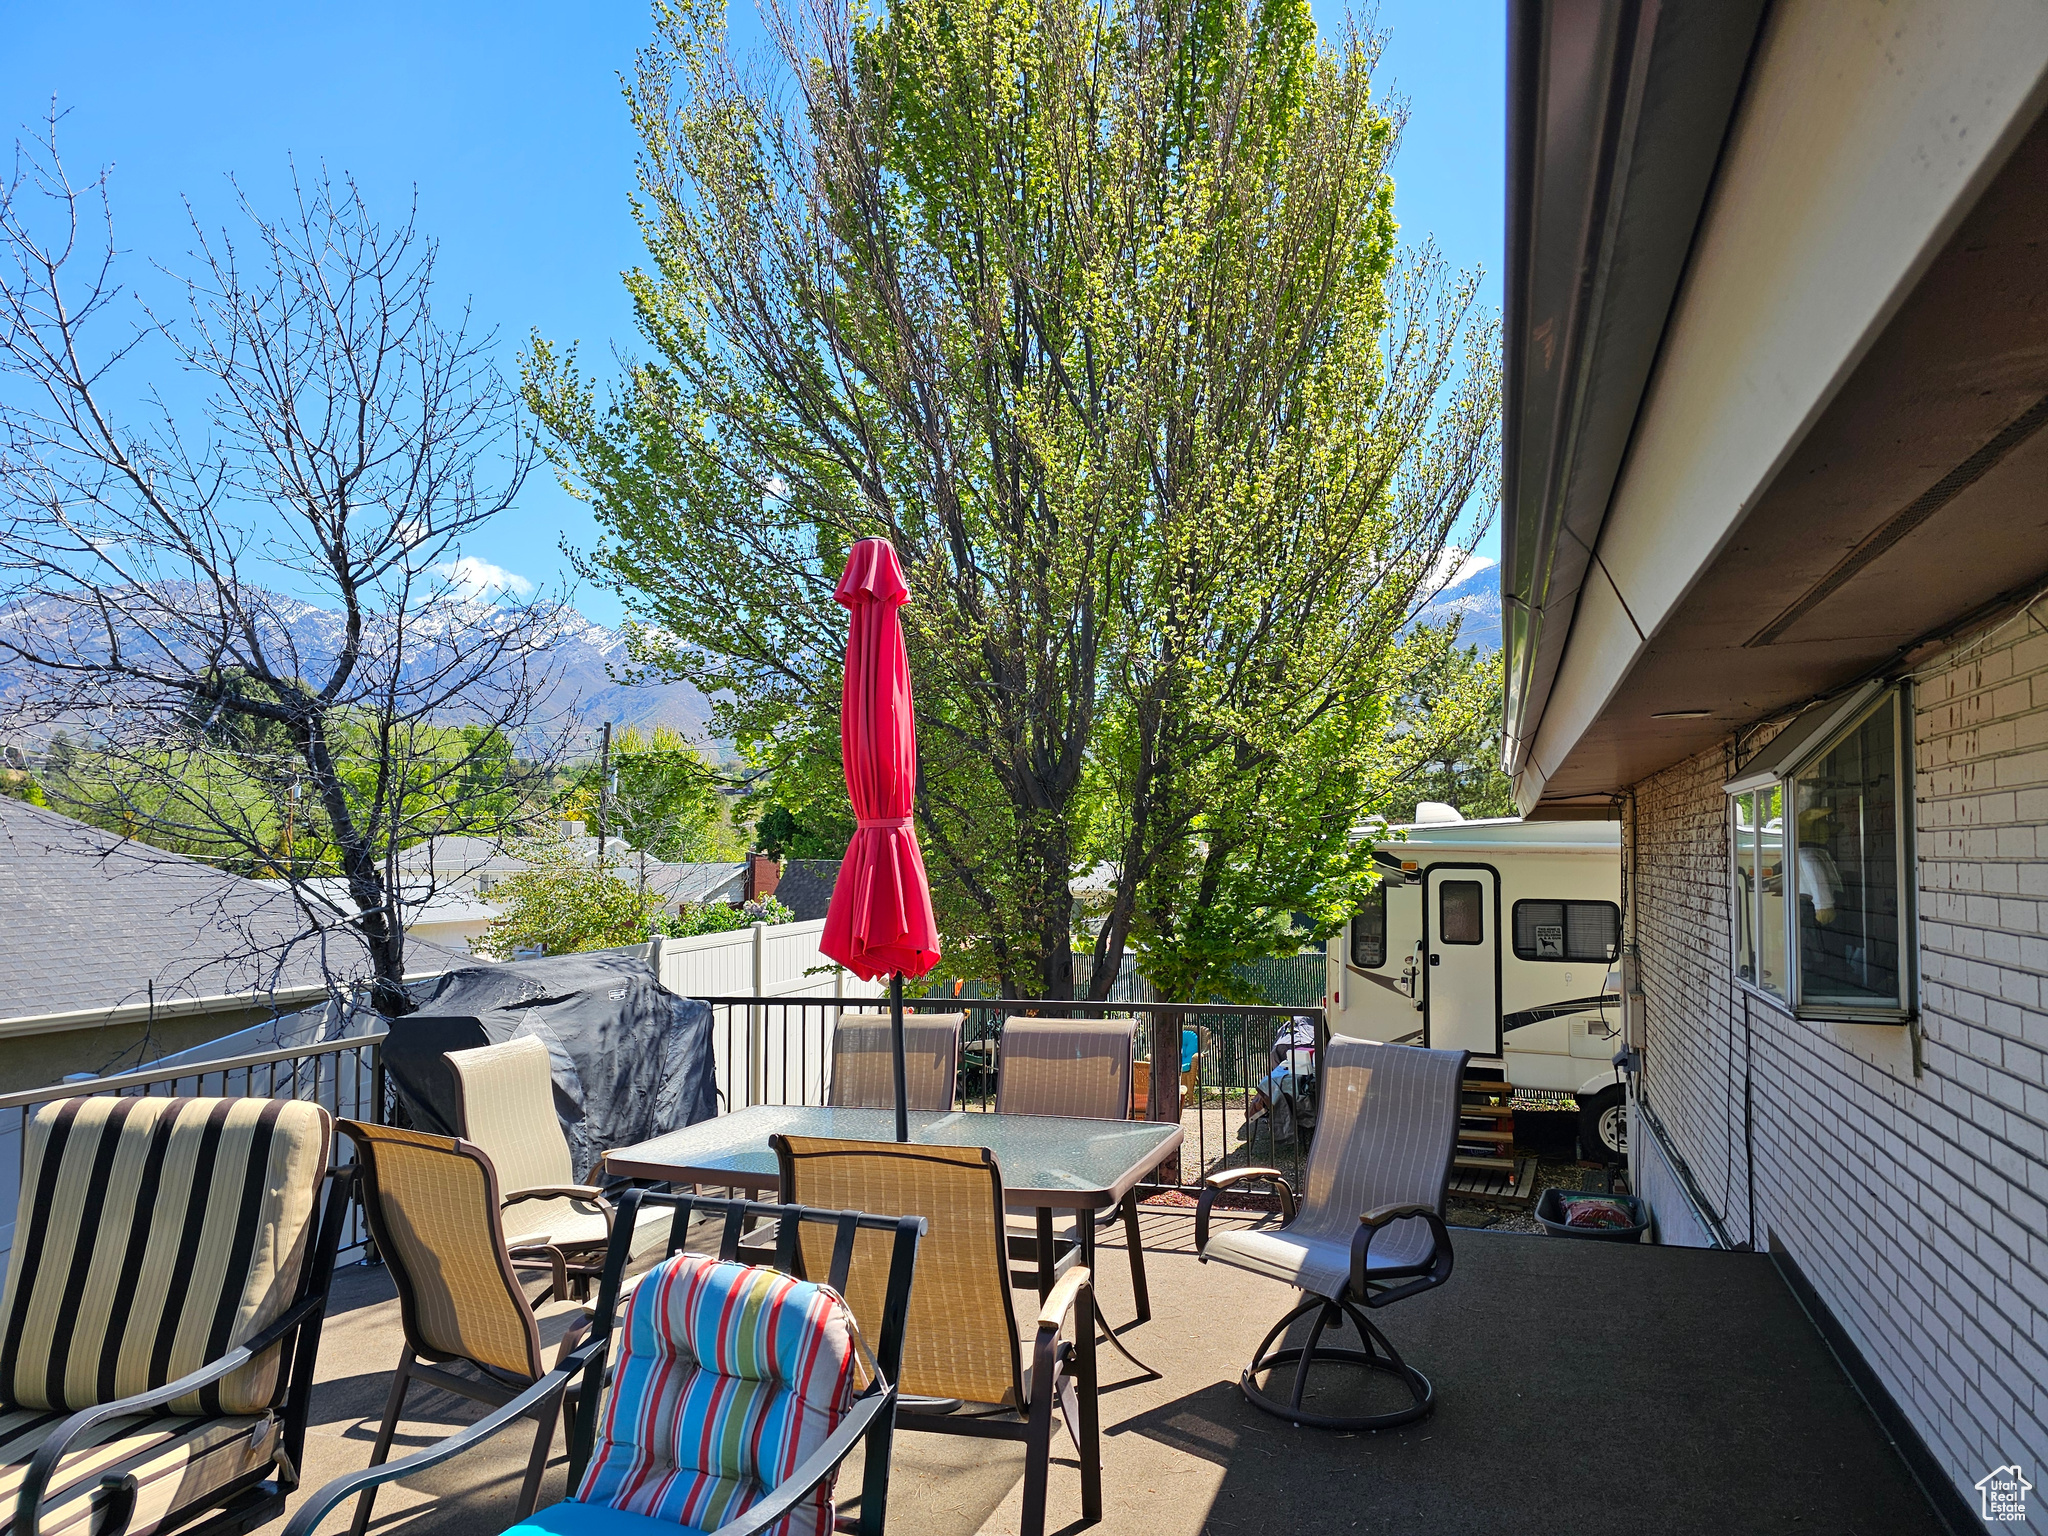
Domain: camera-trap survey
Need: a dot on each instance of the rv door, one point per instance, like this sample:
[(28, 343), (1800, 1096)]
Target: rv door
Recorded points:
[(1461, 949)]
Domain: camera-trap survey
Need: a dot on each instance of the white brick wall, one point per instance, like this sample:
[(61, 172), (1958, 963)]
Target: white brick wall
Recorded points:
[(1915, 1199)]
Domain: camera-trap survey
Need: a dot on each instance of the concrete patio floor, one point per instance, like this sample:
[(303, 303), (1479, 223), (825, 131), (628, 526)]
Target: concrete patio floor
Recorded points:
[(1582, 1388)]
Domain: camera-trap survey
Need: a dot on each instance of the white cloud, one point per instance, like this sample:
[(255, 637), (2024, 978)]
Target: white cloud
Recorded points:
[(1454, 566), (481, 580)]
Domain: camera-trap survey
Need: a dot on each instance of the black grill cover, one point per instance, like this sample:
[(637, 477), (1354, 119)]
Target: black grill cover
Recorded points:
[(631, 1059)]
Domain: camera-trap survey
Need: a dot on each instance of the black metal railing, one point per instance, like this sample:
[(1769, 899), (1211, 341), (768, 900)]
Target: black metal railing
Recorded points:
[(346, 1077), (778, 1050)]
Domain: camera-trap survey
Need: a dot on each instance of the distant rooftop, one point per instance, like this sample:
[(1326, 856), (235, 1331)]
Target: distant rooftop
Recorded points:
[(91, 921)]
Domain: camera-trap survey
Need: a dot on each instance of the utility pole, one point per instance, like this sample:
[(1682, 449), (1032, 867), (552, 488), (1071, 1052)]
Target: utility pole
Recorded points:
[(604, 788)]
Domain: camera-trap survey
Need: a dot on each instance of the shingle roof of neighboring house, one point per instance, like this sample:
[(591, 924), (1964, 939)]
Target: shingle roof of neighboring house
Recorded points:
[(806, 887), (690, 882), (89, 921)]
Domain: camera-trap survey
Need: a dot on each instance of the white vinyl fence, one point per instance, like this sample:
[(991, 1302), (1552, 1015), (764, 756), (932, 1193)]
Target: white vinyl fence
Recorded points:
[(780, 961)]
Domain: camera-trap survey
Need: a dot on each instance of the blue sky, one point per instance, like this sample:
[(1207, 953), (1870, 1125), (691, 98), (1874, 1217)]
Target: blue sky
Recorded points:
[(507, 119)]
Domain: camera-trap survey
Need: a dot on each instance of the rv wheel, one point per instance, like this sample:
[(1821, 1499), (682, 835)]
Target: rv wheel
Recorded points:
[(1603, 1126)]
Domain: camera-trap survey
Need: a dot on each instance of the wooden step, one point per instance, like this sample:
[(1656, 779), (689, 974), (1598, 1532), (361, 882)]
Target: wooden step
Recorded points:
[(1513, 1187), (1469, 1133), (1490, 1164), (1496, 1111)]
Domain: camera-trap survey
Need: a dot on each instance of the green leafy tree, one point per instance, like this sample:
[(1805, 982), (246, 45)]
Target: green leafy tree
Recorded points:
[(812, 832), (562, 903), (664, 798), (1449, 713), (1095, 310)]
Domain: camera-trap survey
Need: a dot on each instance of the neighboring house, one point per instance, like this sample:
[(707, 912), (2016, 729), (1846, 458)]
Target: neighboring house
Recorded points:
[(1775, 545), (455, 876), (113, 953), (448, 918)]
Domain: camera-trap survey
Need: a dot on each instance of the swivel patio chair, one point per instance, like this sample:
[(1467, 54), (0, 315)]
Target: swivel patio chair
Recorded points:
[(738, 1390), (1079, 1068), (162, 1313), (433, 1206), (1368, 1230), (863, 1062), (960, 1345), (505, 1100)]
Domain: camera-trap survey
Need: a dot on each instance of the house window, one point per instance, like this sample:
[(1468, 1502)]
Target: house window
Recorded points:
[(1819, 863), (1369, 931), (1458, 913), (1567, 930)]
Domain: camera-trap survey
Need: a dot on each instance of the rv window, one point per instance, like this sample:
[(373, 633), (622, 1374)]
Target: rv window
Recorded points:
[(1458, 913), (1369, 931), (1567, 930)]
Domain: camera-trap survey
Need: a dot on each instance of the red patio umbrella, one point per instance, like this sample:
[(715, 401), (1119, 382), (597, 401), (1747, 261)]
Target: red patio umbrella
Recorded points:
[(880, 921)]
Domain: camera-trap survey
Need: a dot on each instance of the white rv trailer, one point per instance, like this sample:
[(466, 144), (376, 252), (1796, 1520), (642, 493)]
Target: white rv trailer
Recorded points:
[(1495, 937)]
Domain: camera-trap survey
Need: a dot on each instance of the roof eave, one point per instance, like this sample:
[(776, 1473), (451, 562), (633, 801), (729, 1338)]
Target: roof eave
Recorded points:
[(1617, 112)]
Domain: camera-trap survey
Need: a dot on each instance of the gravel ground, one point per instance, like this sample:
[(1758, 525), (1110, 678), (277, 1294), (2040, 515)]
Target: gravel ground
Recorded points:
[(1550, 1174)]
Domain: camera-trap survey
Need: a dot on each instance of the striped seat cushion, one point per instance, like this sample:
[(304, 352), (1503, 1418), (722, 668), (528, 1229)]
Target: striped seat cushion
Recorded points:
[(728, 1376), (176, 1463), (153, 1236)]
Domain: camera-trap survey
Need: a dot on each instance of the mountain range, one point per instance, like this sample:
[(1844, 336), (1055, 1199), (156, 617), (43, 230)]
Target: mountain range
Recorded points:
[(1473, 599), (583, 658)]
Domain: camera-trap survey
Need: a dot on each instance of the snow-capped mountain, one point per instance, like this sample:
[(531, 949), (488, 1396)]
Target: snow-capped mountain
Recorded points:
[(582, 659), (1473, 598)]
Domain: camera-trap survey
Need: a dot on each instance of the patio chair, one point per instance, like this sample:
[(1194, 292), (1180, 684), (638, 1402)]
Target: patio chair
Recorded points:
[(1080, 1068), (433, 1206), (164, 1298), (863, 1064), (1368, 1230), (505, 1098), (737, 1393), (960, 1345)]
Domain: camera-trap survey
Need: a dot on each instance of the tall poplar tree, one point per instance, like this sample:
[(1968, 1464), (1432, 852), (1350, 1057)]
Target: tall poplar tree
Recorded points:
[(1096, 309)]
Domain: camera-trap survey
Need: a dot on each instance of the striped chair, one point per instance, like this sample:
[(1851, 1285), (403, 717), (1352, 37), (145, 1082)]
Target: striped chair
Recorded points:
[(737, 1391), (162, 1311), (1368, 1230), (1081, 1069), (864, 1063)]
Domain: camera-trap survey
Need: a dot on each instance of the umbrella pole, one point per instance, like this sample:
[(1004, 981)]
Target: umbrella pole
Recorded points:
[(896, 1051)]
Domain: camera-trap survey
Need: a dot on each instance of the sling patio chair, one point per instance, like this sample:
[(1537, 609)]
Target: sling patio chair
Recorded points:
[(505, 1095), (433, 1207), (863, 1063), (960, 1346), (162, 1313), (737, 1392), (1079, 1068), (1368, 1230)]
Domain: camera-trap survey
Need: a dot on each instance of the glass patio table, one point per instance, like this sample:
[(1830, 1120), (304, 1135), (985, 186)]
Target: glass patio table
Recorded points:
[(1049, 1163)]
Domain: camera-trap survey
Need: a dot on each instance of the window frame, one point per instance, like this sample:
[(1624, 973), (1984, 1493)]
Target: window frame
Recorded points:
[(1376, 896), (1514, 924), (1443, 929), (1781, 771)]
